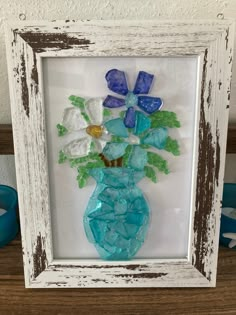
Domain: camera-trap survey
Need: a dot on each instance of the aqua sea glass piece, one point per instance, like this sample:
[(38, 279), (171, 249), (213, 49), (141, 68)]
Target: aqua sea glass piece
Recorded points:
[(116, 81), (131, 99), (114, 150), (143, 123), (138, 158), (113, 102), (129, 119), (143, 83), (117, 216), (149, 104), (156, 138), (116, 127)]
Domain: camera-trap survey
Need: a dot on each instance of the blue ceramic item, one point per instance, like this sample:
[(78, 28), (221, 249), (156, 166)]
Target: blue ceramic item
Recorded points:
[(8, 221), (228, 224)]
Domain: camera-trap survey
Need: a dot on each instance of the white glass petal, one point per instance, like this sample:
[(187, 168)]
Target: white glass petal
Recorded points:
[(105, 136), (94, 109), (73, 120), (100, 144), (78, 147)]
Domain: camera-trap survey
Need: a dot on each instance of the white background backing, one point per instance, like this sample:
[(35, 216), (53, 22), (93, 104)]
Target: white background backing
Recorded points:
[(169, 199)]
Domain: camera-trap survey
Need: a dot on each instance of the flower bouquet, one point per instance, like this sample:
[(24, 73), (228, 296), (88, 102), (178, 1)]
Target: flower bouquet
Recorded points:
[(117, 141)]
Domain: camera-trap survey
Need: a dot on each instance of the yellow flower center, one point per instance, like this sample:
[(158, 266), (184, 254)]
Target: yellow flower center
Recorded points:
[(94, 131)]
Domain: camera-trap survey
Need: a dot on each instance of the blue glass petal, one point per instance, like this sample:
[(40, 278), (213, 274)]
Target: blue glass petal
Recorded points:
[(116, 127), (143, 83), (138, 158), (131, 99), (116, 81), (129, 119), (113, 102), (156, 138), (149, 104), (142, 124), (113, 150)]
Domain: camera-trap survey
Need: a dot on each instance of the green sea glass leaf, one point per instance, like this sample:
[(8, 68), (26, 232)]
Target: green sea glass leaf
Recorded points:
[(95, 156), (61, 130), (126, 155), (150, 173), (157, 161), (75, 162), (164, 119), (62, 157), (96, 164), (145, 146), (172, 146), (117, 139), (92, 146), (106, 112), (122, 114), (82, 177), (86, 117), (77, 101), (91, 156), (84, 171)]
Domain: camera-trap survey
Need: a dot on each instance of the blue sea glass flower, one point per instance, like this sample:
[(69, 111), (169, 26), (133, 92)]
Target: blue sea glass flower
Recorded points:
[(117, 83)]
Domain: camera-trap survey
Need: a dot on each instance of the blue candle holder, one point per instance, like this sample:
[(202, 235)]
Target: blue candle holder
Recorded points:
[(8, 221), (228, 222)]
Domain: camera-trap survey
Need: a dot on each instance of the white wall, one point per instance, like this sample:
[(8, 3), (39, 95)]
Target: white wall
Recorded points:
[(100, 9)]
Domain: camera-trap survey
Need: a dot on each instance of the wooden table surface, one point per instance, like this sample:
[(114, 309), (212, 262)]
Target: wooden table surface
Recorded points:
[(16, 300)]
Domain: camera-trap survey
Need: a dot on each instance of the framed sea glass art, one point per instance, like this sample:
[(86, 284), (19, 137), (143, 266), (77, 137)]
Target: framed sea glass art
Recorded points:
[(119, 133)]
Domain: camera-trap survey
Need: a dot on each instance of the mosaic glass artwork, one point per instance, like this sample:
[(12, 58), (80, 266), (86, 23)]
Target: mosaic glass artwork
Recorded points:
[(117, 140)]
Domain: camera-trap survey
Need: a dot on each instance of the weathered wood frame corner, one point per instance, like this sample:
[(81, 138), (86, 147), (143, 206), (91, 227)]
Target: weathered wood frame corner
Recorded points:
[(27, 44)]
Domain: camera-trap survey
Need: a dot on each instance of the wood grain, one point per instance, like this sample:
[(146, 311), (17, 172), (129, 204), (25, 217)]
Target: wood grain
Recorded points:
[(6, 139), (15, 299), (231, 141)]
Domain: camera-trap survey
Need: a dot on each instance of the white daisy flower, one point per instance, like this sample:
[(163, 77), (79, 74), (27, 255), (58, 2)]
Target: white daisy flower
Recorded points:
[(74, 121)]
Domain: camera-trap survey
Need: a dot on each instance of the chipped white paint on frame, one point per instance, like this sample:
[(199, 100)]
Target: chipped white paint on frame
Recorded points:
[(28, 42)]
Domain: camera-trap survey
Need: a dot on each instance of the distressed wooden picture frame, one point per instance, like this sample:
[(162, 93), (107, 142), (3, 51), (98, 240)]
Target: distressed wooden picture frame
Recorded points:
[(27, 44)]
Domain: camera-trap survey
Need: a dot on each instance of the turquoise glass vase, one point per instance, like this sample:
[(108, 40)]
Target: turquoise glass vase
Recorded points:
[(117, 216)]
